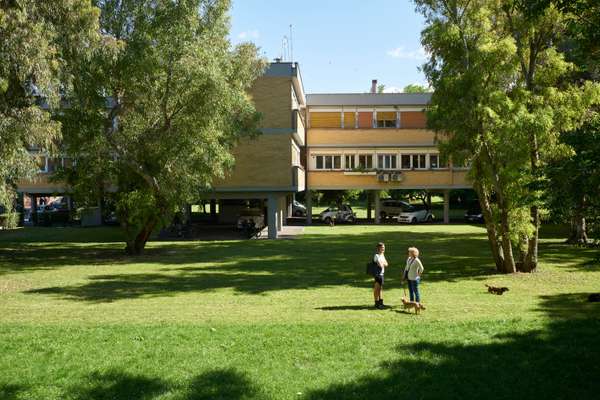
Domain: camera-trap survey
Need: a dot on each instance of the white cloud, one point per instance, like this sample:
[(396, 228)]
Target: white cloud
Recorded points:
[(402, 53), (247, 35)]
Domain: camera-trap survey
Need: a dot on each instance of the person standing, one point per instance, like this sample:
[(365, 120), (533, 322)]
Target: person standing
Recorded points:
[(412, 273), (379, 260)]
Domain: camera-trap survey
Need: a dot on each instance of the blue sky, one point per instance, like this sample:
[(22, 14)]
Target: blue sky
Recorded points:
[(340, 45)]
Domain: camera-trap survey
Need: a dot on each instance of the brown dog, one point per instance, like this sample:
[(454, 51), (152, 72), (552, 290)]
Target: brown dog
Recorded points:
[(412, 304), (496, 290)]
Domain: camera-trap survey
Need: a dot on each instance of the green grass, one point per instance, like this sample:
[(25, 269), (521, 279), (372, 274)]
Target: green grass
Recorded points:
[(291, 319)]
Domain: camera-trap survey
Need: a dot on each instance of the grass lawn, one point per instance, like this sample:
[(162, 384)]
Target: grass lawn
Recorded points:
[(291, 319)]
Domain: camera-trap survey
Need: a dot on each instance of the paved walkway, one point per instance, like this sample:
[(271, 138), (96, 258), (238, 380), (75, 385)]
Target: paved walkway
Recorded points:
[(286, 232)]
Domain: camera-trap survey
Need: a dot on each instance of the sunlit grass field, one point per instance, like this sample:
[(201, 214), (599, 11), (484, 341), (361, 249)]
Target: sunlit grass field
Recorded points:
[(291, 319)]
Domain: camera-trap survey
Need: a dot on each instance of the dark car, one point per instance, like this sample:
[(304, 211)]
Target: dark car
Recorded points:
[(474, 215)]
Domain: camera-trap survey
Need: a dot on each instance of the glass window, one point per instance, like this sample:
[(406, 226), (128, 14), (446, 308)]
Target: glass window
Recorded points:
[(319, 162), (386, 119), (386, 161), (350, 161), (433, 161), (405, 160), (365, 161), (337, 162), (419, 161), (328, 162)]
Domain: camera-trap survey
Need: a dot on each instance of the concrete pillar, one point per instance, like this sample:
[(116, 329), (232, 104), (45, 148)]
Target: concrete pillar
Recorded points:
[(446, 206), (213, 210), (368, 205), (272, 216), (308, 197), (280, 212), (377, 194)]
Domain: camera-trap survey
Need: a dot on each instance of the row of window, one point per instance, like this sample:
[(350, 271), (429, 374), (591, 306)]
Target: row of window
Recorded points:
[(379, 161), (51, 164), (368, 119)]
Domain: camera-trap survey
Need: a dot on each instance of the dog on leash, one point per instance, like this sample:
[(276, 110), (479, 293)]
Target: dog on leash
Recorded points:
[(412, 304), (496, 290)]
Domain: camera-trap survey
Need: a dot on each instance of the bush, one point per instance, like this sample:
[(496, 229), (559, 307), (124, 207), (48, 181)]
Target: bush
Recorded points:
[(9, 220)]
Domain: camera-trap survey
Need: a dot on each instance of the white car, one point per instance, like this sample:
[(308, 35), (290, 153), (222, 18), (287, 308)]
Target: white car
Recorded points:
[(392, 208), (335, 214), (415, 214)]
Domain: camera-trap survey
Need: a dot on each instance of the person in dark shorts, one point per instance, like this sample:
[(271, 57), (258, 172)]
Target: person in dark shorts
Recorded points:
[(379, 259)]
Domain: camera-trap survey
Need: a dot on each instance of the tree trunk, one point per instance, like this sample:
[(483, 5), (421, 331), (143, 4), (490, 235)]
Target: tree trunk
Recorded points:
[(490, 226), (136, 246), (578, 229), (509, 261)]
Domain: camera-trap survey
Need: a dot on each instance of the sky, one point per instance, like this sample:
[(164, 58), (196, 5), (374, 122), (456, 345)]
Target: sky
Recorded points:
[(340, 45)]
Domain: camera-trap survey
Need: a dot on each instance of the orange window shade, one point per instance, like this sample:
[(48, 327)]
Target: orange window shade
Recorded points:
[(386, 115), (365, 119), (349, 120), (325, 120), (413, 120)]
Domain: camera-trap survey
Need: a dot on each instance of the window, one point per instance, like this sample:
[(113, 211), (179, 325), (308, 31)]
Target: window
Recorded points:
[(419, 161), (386, 119), (43, 164), (365, 161), (386, 161), (406, 161), (325, 120), (350, 161), (329, 162), (434, 161)]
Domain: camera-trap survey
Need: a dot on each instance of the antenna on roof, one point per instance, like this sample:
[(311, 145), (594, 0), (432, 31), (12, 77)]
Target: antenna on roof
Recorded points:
[(291, 45), (285, 48)]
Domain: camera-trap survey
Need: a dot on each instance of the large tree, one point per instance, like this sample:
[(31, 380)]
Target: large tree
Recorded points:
[(36, 40), (155, 114), (500, 101)]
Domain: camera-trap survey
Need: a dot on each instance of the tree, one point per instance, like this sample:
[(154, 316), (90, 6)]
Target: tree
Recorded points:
[(415, 88), (574, 179), (38, 37), (154, 116), (500, 100)]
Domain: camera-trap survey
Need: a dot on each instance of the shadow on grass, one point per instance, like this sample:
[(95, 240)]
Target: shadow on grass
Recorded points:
[(9, 391), (223, 384), (256, 267), (218, 384), (560, 361), (115, 384)]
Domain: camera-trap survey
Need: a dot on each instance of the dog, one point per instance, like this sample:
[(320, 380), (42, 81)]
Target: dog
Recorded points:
[(412, 304), (496, 290)]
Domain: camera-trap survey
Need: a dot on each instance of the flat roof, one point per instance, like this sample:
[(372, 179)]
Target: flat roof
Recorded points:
[(368, 99)]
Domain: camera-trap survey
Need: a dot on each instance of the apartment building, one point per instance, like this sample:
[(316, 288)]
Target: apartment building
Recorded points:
[(372, 141), (269, 168)]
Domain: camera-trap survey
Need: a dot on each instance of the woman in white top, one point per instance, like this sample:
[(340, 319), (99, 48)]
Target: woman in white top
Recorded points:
[(380, 260), (412, 273)]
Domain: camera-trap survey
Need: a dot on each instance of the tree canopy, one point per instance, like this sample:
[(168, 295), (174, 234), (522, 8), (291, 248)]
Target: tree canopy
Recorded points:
[(501, 98), (38, 37), (154, 116)]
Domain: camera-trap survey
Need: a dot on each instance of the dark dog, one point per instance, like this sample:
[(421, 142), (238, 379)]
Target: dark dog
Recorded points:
[(496, 290), (594, 298)]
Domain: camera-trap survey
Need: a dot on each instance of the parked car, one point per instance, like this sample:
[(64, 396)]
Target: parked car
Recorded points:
[(392, 208), (252, 216), (414, 214), (298, 209), (474, 214), (335, 214)]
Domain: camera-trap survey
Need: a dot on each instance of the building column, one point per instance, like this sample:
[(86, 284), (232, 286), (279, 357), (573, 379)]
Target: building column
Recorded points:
[(308, 197), (446, 206), (272, 216), (280, 213), (377, 194), (368, 192), (213, 210)]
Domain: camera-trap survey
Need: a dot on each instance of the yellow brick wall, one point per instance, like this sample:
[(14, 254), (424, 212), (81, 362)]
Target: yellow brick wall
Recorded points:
[(445, 178), (272, 97), (40, 183), (263, 162), (383, 136)]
